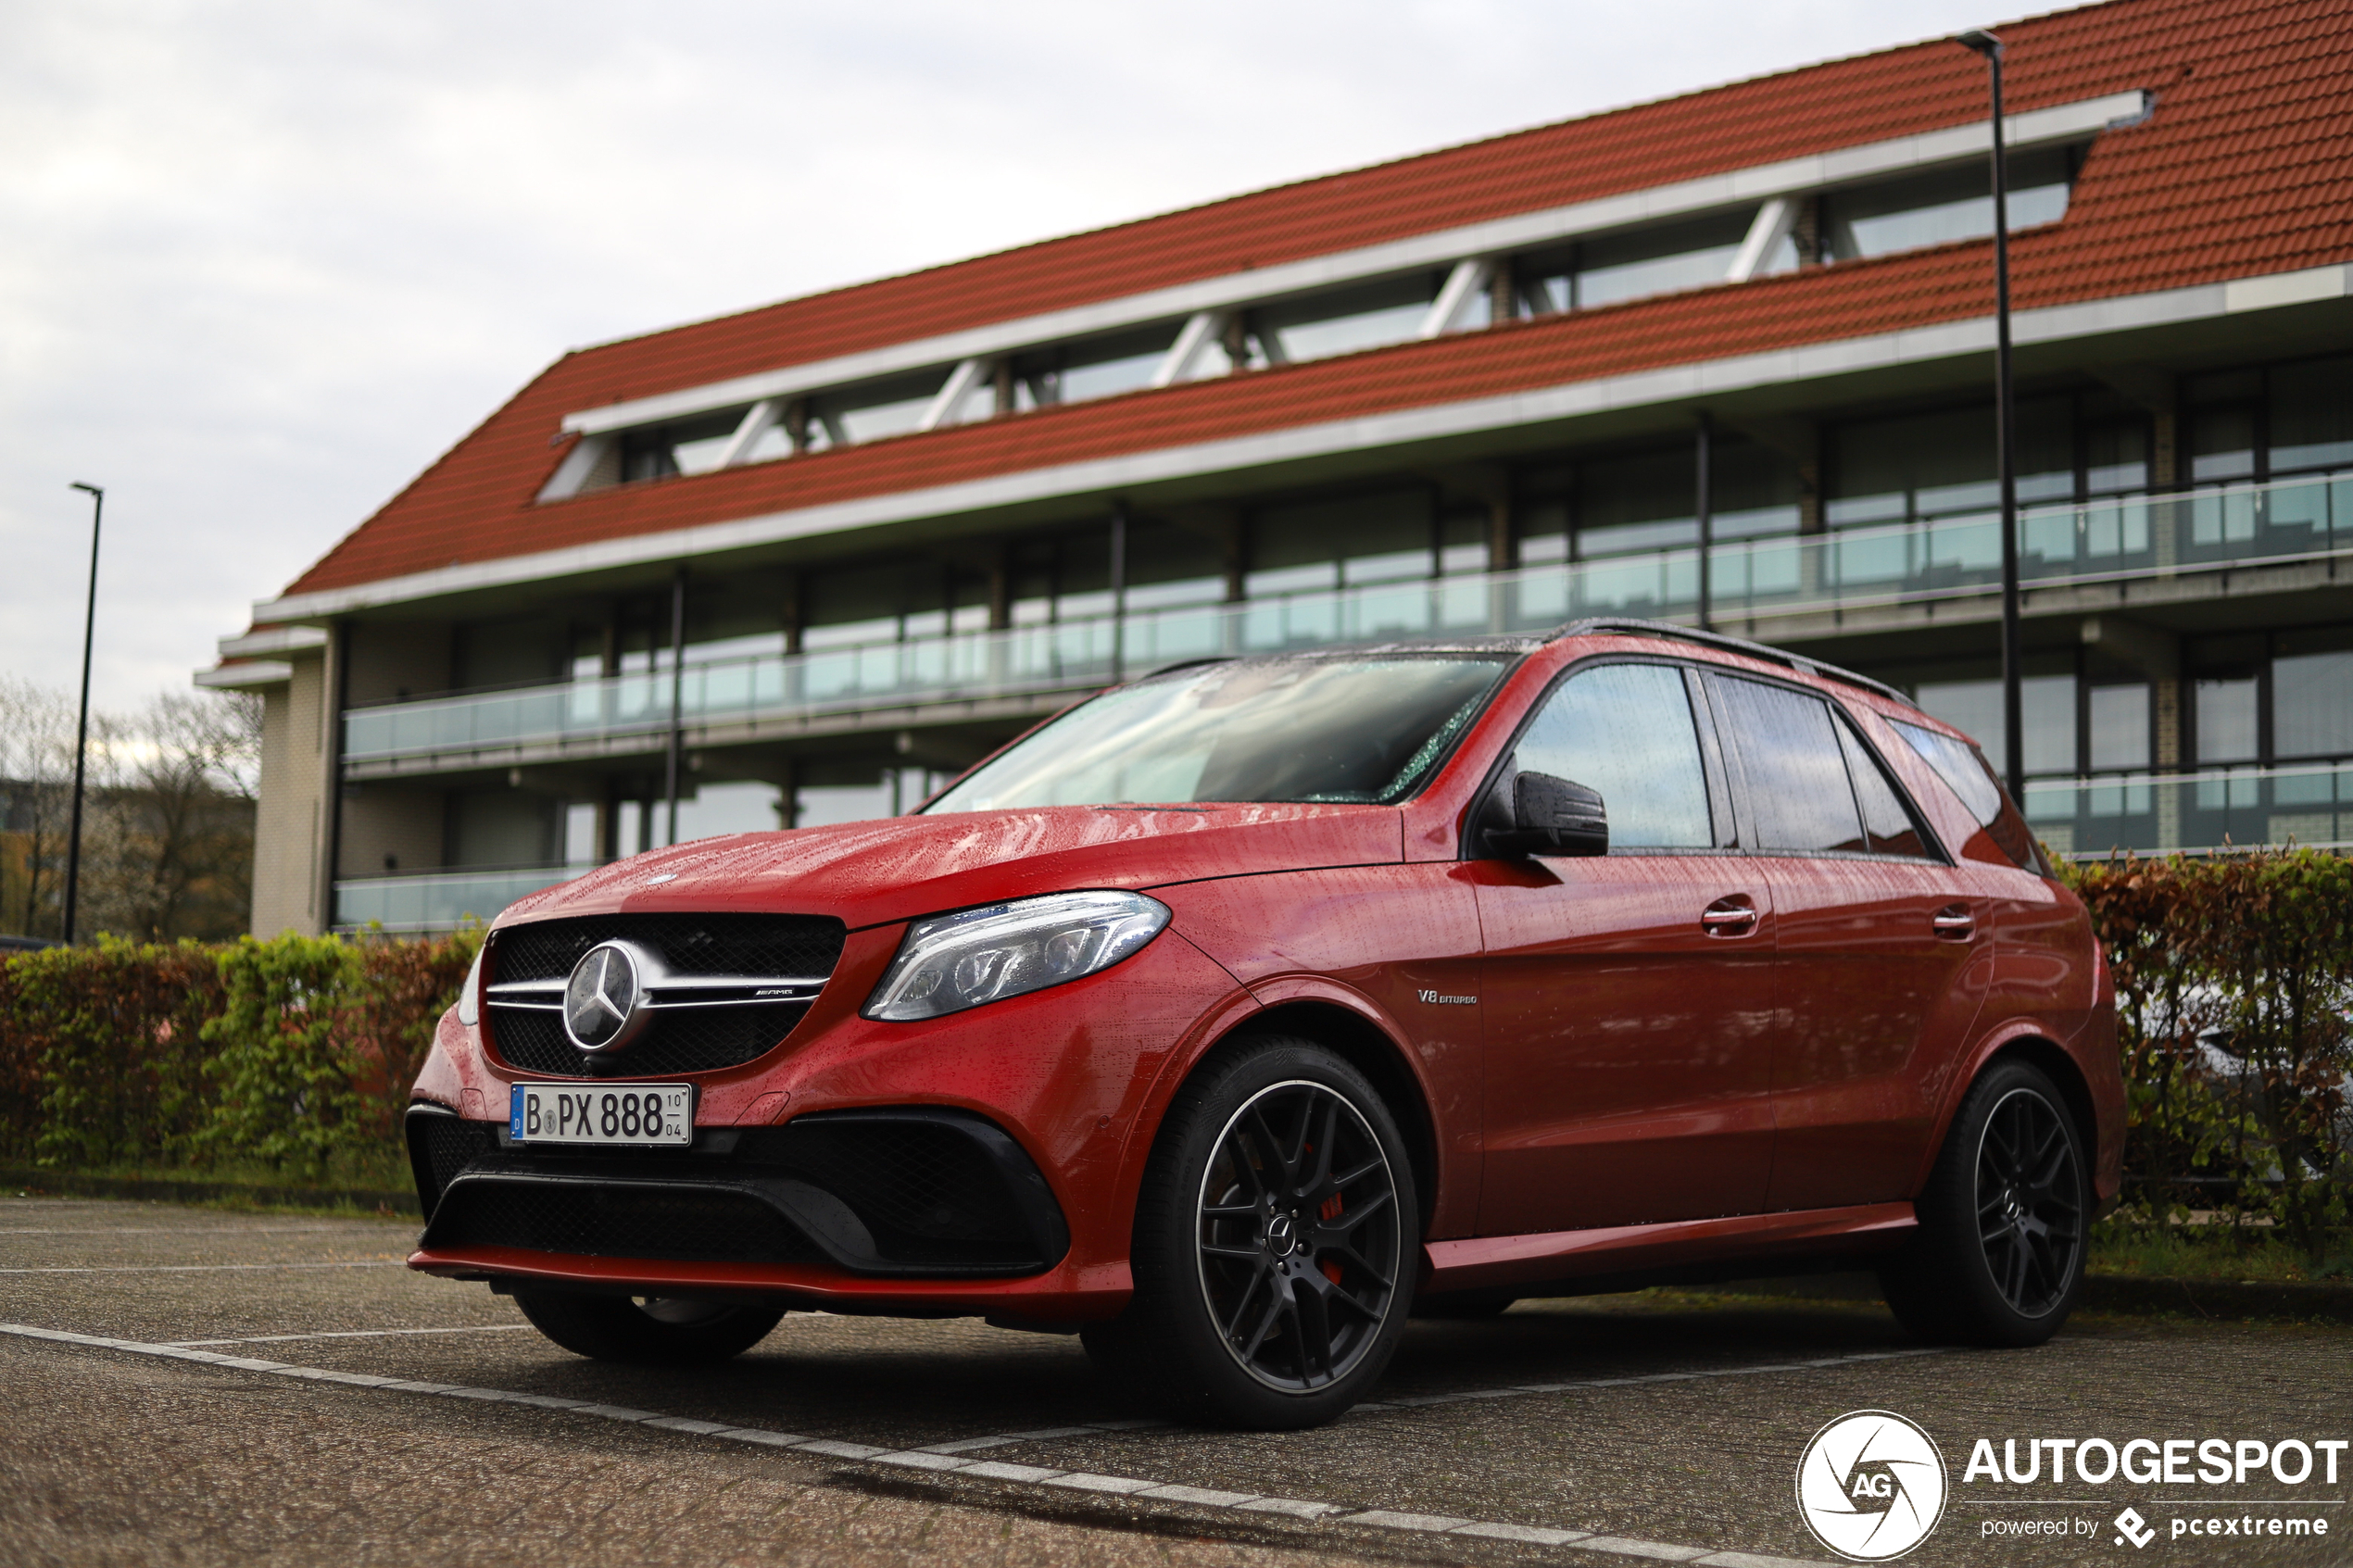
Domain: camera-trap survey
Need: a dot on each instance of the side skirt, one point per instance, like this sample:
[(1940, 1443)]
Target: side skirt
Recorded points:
[(1627, 1257)]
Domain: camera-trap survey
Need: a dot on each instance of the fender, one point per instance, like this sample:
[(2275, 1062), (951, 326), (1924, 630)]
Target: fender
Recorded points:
[(1266, 997), (1981, 1051)]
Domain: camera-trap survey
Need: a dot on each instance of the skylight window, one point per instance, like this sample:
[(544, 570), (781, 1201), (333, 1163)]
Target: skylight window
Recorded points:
[(1954, 203), (1665, 258), (1079, 372), (1346, 321)]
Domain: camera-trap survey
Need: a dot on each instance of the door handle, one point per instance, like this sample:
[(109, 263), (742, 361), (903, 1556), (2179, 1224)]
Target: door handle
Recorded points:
[(1729, 916), (1954, 922)]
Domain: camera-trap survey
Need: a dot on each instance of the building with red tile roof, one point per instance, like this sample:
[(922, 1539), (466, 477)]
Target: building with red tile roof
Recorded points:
[(807, 560)]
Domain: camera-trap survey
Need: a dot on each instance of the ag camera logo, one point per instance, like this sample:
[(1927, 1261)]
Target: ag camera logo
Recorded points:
[(1871, 1486)]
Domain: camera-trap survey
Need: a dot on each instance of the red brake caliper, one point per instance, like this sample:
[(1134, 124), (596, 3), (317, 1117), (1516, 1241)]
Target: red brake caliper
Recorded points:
[(1328, 1214)]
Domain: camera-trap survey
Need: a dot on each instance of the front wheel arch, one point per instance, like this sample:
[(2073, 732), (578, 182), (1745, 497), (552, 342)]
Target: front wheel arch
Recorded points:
[(1367, 1048)]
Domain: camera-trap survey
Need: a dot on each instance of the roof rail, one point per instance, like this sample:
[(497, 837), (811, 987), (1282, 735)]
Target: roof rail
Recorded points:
[(1799, 662)]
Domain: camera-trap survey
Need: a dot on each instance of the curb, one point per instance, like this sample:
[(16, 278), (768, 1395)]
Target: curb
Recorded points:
[(2137, 1295), (2218, 1298), (66, 1184)]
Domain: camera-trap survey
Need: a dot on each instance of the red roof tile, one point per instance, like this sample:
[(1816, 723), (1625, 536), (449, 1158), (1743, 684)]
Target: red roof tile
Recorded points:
[(2245, 168)]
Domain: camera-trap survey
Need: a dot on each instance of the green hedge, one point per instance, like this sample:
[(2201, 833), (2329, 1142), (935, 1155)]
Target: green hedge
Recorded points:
[(2253, 953), (295, 1053)]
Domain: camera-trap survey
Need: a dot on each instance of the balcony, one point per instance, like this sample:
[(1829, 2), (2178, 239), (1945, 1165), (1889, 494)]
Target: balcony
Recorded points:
[(2310, 804), (1022, 669), (440, 900)]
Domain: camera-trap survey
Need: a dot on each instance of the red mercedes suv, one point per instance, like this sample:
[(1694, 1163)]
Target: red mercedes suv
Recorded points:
[(1242, 1010)]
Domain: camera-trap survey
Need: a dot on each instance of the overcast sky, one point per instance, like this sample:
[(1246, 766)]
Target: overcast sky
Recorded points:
[(263, 261)]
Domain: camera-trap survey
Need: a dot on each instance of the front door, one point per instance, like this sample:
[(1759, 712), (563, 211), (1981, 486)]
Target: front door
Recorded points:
[(1628, 998)]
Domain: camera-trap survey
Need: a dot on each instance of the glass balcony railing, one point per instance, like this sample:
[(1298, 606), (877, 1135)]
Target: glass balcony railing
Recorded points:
[(1902, 562), (440, 900), (2310, 804)]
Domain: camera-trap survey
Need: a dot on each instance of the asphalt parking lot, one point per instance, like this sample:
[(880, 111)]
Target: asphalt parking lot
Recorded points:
[(280, 1389)]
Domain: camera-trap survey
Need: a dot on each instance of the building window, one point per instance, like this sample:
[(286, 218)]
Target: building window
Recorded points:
[(2116, 721), (2046, 711), (1630, 503), (2312, 705), (1921, 467), (2227, 712), (1342, 542)]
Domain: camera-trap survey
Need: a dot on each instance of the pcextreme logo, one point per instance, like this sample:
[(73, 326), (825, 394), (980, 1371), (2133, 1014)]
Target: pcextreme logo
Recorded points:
[(1871, 1486)]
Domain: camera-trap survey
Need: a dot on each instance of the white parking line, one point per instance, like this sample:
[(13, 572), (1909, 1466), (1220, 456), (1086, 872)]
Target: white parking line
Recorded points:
[(1417, 1402), (932, 1459), (208, 1268), (346, 1334), (167, 1230)]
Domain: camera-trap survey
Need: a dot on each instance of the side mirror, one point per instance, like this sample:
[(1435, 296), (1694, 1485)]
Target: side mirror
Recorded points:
[(1551, 816)]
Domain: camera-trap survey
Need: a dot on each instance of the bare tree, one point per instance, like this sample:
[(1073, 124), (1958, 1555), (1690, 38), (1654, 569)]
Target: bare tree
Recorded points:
[(36, 772), (167, 844), (175, 844)]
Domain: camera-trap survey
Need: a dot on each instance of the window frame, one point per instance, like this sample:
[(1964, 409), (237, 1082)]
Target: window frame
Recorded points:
[(1715, 778), (1940, 854)]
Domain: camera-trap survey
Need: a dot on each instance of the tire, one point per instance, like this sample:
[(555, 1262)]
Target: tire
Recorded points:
[(1276, 1245), (1998, 1260), (648, 1330)]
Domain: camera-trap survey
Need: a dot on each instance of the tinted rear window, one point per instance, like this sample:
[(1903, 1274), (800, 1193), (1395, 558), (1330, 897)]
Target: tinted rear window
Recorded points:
[(1798, 792), (1964, 768)]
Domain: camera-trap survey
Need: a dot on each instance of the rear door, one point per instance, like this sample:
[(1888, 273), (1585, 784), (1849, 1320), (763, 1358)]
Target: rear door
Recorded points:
[(1628, 998), (1884, 953)]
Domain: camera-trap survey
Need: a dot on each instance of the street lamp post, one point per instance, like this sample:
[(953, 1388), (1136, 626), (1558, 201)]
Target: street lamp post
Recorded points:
[(2005, 429), (81, 729)]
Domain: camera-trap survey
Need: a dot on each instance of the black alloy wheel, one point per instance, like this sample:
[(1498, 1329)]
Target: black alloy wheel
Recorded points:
[(1276, 1237), (2029, 1202), (1998, 1257), (1298, 1249)]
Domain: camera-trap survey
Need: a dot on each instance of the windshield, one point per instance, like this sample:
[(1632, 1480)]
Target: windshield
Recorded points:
[(1363, 730)]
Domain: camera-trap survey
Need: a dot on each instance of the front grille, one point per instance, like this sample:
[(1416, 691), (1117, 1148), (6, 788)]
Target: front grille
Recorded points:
[(696, 1225), (700, 1039), (682, 1040), (778, 945)]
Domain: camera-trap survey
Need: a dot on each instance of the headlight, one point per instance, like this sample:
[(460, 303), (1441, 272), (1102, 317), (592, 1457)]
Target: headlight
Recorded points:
[(956, 962), (470, 994)]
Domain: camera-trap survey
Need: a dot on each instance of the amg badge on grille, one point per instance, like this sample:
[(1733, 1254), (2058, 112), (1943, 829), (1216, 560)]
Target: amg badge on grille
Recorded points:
[(605, 1000)]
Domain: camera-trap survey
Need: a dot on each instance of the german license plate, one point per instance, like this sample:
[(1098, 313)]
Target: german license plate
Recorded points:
[(637, 1116)]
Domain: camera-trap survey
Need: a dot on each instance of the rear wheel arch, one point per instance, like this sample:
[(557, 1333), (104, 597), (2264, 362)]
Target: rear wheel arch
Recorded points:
[(2066, 1076)]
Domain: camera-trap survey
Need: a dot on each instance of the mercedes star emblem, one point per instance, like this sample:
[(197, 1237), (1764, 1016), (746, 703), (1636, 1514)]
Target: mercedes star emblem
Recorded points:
[(605, 1000)]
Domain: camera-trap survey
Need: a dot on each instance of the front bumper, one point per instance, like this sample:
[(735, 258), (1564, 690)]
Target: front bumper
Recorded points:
[(907, 1191)]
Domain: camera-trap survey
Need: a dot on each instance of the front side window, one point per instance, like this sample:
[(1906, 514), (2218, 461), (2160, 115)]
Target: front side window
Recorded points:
[(1363, 730), (1626, 730)]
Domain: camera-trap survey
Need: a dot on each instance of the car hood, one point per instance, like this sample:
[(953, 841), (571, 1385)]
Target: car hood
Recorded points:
[(897, 868)]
